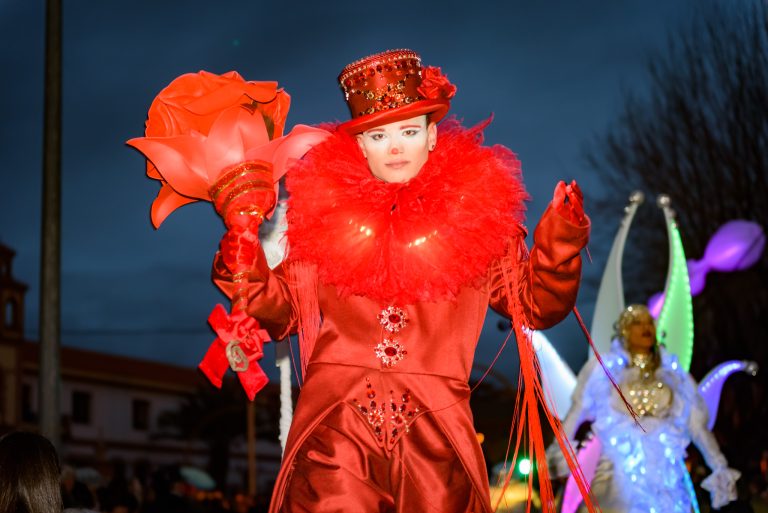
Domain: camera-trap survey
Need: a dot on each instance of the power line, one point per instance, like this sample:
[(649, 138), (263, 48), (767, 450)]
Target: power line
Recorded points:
[(120, 332)]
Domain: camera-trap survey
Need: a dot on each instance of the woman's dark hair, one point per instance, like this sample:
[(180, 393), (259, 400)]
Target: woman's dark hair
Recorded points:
[(29, 474)]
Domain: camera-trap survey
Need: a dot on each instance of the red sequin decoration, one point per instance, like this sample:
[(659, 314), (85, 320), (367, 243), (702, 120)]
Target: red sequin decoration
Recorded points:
[(388, 419), (393, 319), (390, 351)]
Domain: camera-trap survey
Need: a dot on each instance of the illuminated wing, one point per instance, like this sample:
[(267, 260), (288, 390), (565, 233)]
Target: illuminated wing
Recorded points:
[(675, 323), (588, 458), (557, 377), (711, 386), (610, 296)]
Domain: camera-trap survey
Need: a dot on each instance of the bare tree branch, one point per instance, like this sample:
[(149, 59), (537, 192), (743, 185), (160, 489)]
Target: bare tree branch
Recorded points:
[(700, 135)]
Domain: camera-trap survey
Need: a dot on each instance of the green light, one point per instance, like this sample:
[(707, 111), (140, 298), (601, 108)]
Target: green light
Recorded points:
[(675, 323), (524, 467)]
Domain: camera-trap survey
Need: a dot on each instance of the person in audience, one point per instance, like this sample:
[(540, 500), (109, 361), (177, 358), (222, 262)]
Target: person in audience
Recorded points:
[(29, 474)]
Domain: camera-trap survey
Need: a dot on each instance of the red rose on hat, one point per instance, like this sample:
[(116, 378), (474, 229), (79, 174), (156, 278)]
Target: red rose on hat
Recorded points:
[(435, 85)]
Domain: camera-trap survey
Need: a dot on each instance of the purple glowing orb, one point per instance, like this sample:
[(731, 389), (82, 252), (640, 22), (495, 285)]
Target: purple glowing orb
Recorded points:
[(735, 246)]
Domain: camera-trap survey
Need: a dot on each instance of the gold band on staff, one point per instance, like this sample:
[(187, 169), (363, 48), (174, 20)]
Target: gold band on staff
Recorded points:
[(240, 170), (244, 188)]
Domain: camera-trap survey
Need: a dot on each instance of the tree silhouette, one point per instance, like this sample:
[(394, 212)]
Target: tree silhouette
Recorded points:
[(700, 135), (218, 417)]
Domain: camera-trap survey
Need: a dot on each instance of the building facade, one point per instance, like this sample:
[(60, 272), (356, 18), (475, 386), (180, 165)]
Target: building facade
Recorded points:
[(111, 406)]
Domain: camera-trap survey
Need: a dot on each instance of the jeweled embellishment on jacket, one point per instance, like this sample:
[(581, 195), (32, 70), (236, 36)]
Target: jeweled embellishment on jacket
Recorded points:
[(398, 416), (393, 319), (390, 351)]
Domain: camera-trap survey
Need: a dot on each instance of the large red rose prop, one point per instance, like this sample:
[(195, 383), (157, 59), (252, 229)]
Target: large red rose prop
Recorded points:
[(219, 138), (202, 123)]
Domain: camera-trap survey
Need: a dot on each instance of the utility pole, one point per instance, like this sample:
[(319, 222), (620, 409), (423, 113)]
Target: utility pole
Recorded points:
[(50, 257), (250, 411)]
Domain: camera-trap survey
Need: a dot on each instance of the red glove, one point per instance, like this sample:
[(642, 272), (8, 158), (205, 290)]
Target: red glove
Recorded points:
[(568, 201), (240, 245), (242, 195)]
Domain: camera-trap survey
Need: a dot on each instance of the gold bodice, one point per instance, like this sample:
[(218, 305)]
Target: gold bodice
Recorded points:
[(646, 392)]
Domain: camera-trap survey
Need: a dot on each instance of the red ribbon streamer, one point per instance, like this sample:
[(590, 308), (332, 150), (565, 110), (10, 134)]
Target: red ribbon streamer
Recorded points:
[(239, 345)]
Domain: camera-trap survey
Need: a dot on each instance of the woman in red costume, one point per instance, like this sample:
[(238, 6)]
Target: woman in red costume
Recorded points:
[(400, 234)]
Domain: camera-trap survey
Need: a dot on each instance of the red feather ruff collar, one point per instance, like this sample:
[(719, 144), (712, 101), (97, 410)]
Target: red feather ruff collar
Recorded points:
[(399, 243)]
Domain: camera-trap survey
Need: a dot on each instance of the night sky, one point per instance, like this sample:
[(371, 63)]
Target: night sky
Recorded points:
[(552, 74)]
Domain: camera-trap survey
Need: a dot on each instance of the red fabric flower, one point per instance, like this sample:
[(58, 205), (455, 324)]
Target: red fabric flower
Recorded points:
[(435, 85), (193, 102), (200, 123)]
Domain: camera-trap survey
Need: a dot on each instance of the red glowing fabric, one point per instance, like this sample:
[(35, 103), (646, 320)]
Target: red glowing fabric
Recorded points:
[(245, 329), (404, 242)]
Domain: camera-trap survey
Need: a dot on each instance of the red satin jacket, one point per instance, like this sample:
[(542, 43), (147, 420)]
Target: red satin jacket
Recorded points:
[(439, 341)]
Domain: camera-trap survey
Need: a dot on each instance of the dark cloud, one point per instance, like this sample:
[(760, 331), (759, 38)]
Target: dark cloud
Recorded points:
[(550, 72)]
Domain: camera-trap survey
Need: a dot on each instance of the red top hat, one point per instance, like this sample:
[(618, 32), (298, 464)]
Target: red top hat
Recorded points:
[(392, 86)]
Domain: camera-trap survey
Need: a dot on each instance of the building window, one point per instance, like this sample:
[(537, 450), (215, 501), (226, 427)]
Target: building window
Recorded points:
[(10, 314), (81, 407), (140, 414)]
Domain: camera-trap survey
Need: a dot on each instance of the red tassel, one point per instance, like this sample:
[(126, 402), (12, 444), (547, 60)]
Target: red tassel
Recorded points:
[(303, 279), (583, 326), (527, 413)]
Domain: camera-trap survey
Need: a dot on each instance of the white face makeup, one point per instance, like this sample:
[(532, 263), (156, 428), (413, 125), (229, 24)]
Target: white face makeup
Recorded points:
[(397, 151)]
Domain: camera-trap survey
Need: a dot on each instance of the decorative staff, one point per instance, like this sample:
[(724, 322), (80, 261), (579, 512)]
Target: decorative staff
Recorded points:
[(219, 138)]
